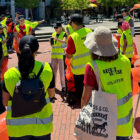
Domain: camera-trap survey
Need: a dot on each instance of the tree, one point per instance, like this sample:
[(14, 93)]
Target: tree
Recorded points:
[(27, 3), (112, 3), (75, 4)]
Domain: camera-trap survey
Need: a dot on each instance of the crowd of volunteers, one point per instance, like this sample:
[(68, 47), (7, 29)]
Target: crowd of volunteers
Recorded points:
[(28, 89)]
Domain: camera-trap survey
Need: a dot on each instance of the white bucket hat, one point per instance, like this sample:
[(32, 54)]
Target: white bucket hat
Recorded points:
[(101, 42)]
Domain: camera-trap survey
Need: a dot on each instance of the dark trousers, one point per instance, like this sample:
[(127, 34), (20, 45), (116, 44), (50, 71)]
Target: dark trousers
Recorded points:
[(78, 80), (47, 137), (10, 41), (2, 108), (122, 138)]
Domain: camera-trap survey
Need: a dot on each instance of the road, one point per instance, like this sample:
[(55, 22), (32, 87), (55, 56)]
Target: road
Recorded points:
[(65, 116)]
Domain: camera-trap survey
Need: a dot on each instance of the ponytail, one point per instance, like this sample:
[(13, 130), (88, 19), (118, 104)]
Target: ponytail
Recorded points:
[(26, 61)]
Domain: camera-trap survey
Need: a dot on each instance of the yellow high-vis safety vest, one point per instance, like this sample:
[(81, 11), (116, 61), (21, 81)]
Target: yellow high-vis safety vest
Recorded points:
[(82, 55), (33, 25), (27, 28), (69, 30), (4, 46), (37, 124), (129, 48), (57, 49), (115, 77)]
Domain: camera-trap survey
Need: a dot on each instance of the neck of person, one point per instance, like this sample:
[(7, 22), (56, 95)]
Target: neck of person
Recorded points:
[(78, 27)]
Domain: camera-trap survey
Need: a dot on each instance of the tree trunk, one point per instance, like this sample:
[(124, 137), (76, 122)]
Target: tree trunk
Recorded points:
[(31, 14)]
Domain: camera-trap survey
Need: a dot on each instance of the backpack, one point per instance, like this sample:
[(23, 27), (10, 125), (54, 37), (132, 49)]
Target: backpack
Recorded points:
[(29, 96)]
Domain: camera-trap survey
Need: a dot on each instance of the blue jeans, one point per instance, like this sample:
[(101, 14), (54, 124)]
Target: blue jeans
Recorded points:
[(122, 138), (46, 137)]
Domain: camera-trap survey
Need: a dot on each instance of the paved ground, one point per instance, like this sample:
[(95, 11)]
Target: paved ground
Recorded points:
[(92, 25), (64, 116)]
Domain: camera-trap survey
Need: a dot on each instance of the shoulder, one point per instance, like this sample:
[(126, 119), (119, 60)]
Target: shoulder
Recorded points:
[(54, 34), (46, 70), (11, 74)]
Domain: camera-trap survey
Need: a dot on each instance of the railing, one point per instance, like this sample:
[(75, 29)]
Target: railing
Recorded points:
[(43, 37)]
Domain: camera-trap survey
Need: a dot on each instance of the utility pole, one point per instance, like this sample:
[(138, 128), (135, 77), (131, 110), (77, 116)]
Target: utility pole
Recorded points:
[(13, 9)]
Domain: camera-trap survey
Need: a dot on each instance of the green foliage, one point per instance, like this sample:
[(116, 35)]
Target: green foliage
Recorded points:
[(75, 4), (112, 3), (55, 3), (27, 3)]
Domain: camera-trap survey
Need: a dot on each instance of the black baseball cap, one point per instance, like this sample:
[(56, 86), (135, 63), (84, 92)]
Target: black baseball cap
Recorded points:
[(21, 17), (124, 10), (31, 41), (57, 24), (119, 16), (76, 18), (1, 27)]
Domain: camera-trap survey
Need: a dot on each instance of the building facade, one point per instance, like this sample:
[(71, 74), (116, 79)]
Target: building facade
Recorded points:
[(39, 12)]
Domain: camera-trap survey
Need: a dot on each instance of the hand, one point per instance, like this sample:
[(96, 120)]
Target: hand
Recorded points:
[(55, 38)]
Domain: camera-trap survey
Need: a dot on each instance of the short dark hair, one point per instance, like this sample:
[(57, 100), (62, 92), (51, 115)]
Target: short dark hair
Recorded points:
[(77, 19)]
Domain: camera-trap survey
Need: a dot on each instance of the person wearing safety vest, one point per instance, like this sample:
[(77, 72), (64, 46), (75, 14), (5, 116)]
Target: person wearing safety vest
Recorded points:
[(119, 19), (115, 77), (77, 52), (34, 24), (69, 30), (126, 41), (21, 30), (4, 60), (128, 19), (3, 19), (36, 126), (58, 43), (2, 108)]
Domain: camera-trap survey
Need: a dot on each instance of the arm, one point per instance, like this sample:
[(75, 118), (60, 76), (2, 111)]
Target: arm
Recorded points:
[(69, 56), (6, 97), (70, 50), (124, 46), (40, 22), (87, 93), (51, 92), (61, 41)]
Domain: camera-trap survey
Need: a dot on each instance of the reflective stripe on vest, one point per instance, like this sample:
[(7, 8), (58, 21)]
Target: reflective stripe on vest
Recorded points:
[(128, 45), (47, 101), (77, 67), (57, 53), (27, 121), (124, 99), (82, 55), (128, 52), (126, 119)]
